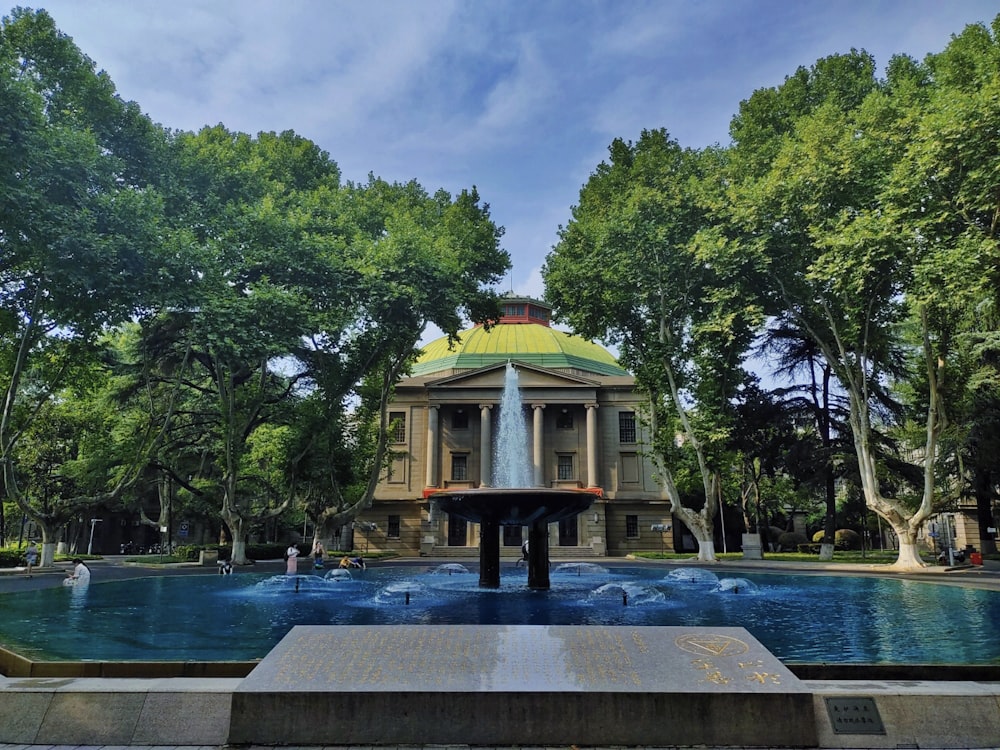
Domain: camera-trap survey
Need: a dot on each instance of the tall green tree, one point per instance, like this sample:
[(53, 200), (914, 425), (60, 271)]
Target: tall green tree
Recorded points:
[(79, 224), (841, 270), (639, 266), (418, 259), (943, 201)]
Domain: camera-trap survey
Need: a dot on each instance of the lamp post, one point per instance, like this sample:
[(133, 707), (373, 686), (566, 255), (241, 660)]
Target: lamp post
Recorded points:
[(90, 544), (663, 528)]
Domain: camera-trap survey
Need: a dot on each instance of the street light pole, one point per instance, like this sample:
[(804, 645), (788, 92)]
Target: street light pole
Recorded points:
[(90, 544)]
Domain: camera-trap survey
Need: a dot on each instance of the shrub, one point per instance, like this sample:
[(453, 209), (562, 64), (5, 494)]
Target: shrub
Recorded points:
[(843, 539), (188, 552), (12, 557), (848, 539), (790, 540)]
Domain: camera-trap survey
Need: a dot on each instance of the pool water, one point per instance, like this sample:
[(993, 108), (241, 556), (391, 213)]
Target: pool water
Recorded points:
[(801, 619)]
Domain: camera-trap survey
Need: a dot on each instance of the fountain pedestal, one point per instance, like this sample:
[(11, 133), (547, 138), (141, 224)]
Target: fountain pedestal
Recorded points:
[(534, 507)]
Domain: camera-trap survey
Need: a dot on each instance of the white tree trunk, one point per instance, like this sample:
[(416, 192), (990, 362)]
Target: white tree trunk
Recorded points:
[(706, 550), (239, 550), (48, 556), (825, 552), (909, 557)]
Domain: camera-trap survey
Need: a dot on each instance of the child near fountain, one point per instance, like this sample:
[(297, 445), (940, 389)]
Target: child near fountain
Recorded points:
[(292, 562)]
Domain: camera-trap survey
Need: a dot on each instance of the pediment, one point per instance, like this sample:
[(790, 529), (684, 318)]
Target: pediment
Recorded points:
[(529, 376)]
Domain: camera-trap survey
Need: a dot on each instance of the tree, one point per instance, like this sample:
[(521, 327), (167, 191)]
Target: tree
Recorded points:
[(79, 224), (638, 265), (943, 200), (418, 259), (840, 270)]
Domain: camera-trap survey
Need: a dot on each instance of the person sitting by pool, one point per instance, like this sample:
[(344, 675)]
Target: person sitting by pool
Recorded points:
[(317, 554), (79, 575), (358, 562), (225, 567), (345, 562)]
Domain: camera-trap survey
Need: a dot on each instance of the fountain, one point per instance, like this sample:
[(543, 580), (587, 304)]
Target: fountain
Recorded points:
[(513, 501)]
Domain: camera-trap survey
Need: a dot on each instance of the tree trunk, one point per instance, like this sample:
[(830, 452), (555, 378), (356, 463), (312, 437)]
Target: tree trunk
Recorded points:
[(909, 556), (701, 525), (237, 524), (346, 543)]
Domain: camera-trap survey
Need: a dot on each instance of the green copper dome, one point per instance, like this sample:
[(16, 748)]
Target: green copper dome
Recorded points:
[(531, 343)]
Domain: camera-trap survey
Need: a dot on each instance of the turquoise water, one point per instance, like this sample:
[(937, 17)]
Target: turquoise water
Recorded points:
[(801, 619)]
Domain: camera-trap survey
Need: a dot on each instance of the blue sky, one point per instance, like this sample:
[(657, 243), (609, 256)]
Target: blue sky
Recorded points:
[(520, 98)]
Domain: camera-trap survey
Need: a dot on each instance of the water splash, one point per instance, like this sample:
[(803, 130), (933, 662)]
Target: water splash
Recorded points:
[(692, 575), (448, 569), (401, 592), (511, 467), (736, 586), (631, 594)]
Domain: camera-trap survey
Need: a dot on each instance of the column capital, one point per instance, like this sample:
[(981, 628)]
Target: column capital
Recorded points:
[(433, 406), (592, 406), (485, 407), (538, 406)]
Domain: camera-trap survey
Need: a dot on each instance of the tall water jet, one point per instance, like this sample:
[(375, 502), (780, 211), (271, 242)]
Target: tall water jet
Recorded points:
[(513, 500), (511, 467)]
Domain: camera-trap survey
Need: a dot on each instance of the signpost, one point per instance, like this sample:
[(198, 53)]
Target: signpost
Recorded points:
[(663, 528)]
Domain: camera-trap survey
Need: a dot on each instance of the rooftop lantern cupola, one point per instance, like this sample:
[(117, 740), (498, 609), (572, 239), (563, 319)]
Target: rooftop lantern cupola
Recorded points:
[(516, 310)]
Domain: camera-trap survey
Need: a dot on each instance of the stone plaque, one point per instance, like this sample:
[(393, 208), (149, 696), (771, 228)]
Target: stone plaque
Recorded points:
[(537, 685), (462, 658), (854, 715)]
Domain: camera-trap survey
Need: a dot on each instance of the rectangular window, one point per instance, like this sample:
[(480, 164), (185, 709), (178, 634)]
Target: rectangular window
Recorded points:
[(397, 426), (632, 527), (630, 468), (564, 420), (626, 427), (565, 468), (397, 468), (392, 527), (459, 467), (460, 420)]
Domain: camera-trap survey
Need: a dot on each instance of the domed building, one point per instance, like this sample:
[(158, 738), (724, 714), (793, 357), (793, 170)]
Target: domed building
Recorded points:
[(582, 432)]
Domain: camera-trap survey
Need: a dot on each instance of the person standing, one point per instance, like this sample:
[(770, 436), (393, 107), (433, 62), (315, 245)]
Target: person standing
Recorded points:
[(292, 560), (31, 557)]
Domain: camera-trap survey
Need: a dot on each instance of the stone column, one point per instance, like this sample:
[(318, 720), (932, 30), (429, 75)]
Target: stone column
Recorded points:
[(433, 441), (489, 553), (538, 555), (486, 443), (592, 446), (538, 460)]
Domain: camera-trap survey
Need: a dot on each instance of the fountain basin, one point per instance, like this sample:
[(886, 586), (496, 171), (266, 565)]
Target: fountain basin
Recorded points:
[(514, 507)]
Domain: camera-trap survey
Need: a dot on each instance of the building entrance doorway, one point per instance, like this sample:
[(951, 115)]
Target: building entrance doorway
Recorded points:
[(512, 536), (568, 532), (458, 531)]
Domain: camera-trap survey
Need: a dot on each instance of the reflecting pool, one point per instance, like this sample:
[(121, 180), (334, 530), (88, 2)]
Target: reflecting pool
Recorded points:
[(800, 618)]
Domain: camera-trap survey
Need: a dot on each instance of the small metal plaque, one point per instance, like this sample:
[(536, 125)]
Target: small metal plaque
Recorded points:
[(854, 715)]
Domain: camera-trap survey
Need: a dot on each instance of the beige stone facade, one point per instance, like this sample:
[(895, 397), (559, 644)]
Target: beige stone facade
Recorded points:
[(583, 431)]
